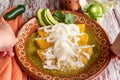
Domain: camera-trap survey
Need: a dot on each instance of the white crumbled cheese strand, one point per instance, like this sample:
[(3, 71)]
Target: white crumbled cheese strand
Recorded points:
[(65, 52), (86, 55)]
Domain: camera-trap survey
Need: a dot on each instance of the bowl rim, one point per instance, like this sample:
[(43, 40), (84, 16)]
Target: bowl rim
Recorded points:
[(89, 78)]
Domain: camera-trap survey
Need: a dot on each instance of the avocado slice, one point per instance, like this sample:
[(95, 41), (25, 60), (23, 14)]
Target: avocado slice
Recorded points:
[(50, 17), (45, 18), (39, 17)]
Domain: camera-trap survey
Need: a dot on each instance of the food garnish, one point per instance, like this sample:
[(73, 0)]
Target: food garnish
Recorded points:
[(63, 46), (67, 18), (39, 17), (45, 17)]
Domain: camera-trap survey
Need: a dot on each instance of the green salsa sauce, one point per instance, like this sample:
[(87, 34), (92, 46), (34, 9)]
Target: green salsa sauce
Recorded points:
[(32, 47)]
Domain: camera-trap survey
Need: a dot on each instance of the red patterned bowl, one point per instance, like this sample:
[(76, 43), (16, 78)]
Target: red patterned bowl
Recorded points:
[(31, 64)]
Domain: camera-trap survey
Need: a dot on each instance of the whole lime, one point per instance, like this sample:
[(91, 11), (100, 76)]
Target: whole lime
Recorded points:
[(95, 11)]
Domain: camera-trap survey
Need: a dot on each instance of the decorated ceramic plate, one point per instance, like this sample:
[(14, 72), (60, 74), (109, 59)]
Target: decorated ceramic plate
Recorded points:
[(30, 62)]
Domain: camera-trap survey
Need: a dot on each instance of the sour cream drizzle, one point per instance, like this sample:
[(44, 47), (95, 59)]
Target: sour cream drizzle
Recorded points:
[(64, 51)]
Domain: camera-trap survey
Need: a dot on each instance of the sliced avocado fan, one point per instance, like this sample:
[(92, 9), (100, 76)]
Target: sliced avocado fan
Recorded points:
[(50, 17), (39, 17), (45, 18)]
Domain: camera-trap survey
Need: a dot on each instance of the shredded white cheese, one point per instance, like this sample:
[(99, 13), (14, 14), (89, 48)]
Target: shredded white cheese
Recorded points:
[(65, 52)]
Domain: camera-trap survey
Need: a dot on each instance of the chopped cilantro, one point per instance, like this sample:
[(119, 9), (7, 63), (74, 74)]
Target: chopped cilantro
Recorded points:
[(67, 18)]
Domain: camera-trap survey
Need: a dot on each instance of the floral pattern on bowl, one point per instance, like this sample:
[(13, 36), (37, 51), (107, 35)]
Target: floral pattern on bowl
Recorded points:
[(35, 72)]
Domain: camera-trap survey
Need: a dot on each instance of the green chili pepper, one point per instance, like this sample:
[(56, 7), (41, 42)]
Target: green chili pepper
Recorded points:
[(15, 12)]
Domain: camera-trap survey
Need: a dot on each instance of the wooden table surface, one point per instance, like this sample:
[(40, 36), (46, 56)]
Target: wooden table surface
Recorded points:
[(111, 24)]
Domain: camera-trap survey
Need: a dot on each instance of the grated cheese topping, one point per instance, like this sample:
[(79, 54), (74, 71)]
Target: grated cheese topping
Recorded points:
[(64, 54)]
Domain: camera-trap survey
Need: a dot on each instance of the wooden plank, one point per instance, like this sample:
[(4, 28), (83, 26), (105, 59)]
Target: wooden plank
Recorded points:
[(4, 4), (110, 25), (117, 12)]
